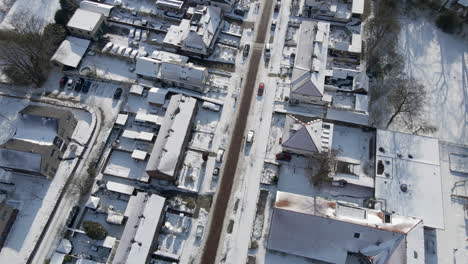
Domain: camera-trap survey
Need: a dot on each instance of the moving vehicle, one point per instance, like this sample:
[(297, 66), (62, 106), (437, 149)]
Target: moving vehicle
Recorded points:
[(283, 156), (216, 171), (261, 88), (273, 25), (267, 52), (246, 50), (118, 93), (250, 136)]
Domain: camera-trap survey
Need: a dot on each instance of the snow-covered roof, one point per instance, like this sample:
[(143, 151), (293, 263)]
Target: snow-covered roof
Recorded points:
[(121, 119), (20, 160), (309, 138), (170, 141), (148, 118), (327, 230), (96, 7), (162, 55), (85, 20), (147, 226), (188, 74), (65, 246), (93, 202), (71, 51), (136, 89), (308, 76), (119, 187), (458, 163), (358, 7), (140, 135), (57, 258), (139, 154), (175, 4), (157, 96), (362, 103), (463, 2), (176, 34), (147, 67), (36, 129), (408, 176), (7, 129)]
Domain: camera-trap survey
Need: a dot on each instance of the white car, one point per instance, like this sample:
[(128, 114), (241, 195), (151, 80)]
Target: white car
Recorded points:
[(144, 35), (250, 136), (211, 106), (219, 155), (121, 51), (134, 54), (131, 34), (127, 52), (115, 49), (107, 47), (138, 34), (70, 84)]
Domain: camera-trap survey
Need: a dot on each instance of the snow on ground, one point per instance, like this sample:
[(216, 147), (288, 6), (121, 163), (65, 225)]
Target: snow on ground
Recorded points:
[(121, 164), (439, 61), (47, 10), (110, 68)]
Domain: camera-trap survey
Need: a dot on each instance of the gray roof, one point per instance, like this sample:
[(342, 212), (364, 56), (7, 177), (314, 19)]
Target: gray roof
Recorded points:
[(169, 145), (307, 138), (20, 160), (326, 230)]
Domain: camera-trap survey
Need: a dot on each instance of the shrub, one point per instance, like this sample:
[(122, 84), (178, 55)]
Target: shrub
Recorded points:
[(56, 33), (94, 230), (448, 21), (62, 17)]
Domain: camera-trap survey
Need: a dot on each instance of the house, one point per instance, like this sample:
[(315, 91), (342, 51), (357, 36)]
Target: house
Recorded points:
[(144, 215), (308, 74), (340, 233), (70, 52), (96, 7), (170, 5), (407, 176), (86, 24), (336, 10), (36, 140), (198, 35), (309, 138), (7, 219), (168, 151), (172, 69)]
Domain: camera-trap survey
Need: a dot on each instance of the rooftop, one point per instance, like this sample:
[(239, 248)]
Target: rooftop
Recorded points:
[(71, 51), (85, 20), (408, 178)]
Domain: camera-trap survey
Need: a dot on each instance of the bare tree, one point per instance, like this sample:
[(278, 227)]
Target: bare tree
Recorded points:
[(324, 166), (406, 98), (25, 50)]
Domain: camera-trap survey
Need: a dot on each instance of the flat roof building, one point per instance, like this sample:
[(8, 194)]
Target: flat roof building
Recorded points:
[(70, 52), (168, 150), (408, 180), (336, 232), (86, 24)]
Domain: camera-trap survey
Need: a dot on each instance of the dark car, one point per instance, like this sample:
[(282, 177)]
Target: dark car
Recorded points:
[(283, 156), (117, 93), (261, 88), (239, 12), (79, 84), (86, 86), (63, 81), (246, 50), (72, 216), (216, 171)]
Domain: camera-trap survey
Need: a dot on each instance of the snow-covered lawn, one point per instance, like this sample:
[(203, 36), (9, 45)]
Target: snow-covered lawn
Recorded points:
[(439, 61), (45, 9)]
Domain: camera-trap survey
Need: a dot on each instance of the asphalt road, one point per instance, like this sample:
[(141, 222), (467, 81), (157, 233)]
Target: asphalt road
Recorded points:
[(225, 188)]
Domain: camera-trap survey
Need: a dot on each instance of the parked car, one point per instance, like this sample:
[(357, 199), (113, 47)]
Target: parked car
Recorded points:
[(115, 49), (239, 12), (283, 156), (138, 34), (144, 35), (216, 171), (131, 34), (137, 22), (63, 81), (267, 52), (107, 47), (70, 84), (261, 88), (134, 54), (144, 22), (246, 50), (219, 155), (250, 136), (127, 52), (79, 84), (86, 86), (118, 93), (273, 25)]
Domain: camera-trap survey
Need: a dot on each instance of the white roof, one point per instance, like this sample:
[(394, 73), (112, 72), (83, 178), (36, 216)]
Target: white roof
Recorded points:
[(93, 202), (357, 7), (150, 118), (96, 7), (65, 246), (170, 3), (57, 258), (326, 230), (142, 135), (188, 74), (147, 67), (85, 20), (136, 89), (139, 154), (121, 119), (362, 102), (157, 96), (458, 163), (71, 51), (146, 231), (108, 242), (170, 140), (119, 187), (408, 176)]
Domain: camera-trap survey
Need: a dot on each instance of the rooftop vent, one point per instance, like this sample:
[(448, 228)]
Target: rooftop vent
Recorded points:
[(404, 188)]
